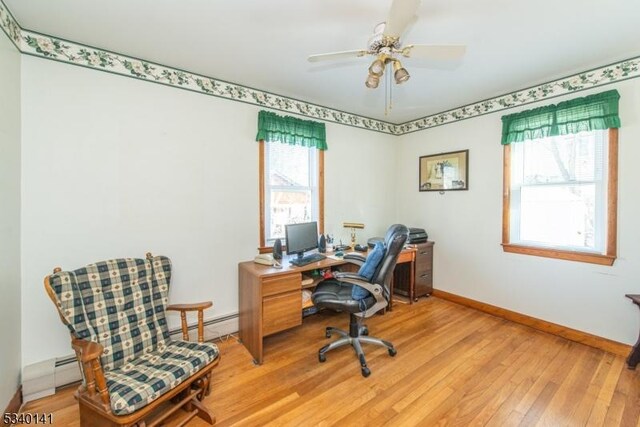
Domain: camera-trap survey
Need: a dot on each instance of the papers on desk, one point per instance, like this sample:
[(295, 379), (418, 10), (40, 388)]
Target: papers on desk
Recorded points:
[(337, 258)]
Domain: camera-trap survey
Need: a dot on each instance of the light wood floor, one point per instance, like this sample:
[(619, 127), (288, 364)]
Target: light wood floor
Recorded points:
[(455, 366)]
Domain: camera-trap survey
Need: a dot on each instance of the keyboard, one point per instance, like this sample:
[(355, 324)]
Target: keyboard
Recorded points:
[(306, 259)]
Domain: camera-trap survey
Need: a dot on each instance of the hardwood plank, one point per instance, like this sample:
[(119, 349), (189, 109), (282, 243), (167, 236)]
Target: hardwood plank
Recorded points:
[(455, 365), (539, 324), (605, 394)]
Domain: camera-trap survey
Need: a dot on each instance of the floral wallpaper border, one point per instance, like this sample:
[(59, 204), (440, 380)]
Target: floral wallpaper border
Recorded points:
[(45, 46), (49, 47), (9, 25), (624, 70)]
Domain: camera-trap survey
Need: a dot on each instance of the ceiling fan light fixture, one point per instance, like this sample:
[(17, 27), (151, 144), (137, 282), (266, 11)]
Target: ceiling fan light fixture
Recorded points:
[(377, 67), (400, 74), (372, 81)]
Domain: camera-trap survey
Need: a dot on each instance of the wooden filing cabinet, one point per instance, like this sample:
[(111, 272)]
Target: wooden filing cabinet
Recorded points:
[(415, 280), (423, 281)]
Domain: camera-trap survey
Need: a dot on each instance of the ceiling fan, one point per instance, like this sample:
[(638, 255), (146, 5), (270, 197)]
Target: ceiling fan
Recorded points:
[(386, 46)]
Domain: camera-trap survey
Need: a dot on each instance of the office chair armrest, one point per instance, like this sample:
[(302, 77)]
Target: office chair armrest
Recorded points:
[(375, 289), (354, 258), (354, 279), (183, 308), (347, 275)]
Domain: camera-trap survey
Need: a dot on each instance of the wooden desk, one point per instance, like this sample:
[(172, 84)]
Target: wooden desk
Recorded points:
[(271, 298)]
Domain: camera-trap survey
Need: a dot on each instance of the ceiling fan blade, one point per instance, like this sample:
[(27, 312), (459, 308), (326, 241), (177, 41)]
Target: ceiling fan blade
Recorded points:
[(401, 15), (337, 55), (440, 53)]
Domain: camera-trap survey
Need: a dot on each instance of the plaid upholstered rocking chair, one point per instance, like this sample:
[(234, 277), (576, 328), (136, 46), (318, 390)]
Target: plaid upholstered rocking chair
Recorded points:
[(134, 374)]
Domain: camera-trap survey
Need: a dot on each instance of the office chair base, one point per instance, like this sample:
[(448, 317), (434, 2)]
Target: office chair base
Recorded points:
[(357, 336)]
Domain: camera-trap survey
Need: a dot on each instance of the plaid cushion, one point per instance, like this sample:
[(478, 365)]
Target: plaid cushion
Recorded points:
[(140, 382), (119, 303)]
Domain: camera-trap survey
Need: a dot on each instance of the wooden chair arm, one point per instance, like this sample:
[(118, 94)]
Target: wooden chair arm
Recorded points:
[(88, 354), (190, 307), (183, 308), (87, 350)]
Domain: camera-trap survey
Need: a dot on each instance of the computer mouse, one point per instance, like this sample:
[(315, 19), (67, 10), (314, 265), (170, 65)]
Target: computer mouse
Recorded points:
[(339, 253)]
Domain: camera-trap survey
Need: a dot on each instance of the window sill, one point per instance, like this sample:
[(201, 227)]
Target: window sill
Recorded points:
[(590, 257)]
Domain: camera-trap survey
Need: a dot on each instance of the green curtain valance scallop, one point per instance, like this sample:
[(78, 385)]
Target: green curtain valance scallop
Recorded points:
[(291, 130), (599, 111)]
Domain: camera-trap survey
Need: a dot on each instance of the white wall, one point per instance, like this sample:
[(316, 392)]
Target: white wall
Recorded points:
[(117, 167), (9, 220), (466, 226)]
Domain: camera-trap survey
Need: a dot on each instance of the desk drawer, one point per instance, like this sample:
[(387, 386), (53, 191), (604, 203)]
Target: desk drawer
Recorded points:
[(423, 284), (281, 312), (424, 258), (279, 284)]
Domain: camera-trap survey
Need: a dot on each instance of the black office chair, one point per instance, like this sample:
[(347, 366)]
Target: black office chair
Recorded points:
[(336, 294)]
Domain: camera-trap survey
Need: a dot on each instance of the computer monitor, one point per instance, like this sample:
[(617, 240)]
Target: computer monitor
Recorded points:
[(301, 237)]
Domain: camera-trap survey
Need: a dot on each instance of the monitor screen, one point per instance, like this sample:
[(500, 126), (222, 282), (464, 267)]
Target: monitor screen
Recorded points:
[(301, 237)]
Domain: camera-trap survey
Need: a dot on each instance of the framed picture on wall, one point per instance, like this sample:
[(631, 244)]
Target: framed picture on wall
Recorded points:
[(444, 171)]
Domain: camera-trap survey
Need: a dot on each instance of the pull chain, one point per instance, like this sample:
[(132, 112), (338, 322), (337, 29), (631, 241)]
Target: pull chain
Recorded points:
[(388, 90)]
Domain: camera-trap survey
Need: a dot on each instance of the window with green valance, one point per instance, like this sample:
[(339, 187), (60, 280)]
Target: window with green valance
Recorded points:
[(593, 112), (291, 130)]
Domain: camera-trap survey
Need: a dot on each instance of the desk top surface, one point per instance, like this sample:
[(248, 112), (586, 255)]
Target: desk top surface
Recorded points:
[(287, 268), (330, 261)]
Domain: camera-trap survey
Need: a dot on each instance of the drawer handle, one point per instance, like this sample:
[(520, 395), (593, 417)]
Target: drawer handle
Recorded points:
[(424, 253), (425, 275)]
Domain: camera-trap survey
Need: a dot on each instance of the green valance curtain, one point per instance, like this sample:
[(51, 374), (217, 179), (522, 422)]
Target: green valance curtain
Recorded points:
[(291, 130), (599, 111)]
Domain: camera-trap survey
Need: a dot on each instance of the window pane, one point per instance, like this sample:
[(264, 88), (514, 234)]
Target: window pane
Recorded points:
[(560, 159), (288, 165), (561, 215), (288, 207)]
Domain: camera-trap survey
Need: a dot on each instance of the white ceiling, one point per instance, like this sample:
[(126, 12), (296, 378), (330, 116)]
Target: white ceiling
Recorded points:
[(511, 44)]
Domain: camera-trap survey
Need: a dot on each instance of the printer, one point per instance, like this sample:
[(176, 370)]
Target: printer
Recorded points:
[(417, 235)]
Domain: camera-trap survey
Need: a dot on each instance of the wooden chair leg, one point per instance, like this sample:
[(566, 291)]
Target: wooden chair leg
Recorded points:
[(203, 412)]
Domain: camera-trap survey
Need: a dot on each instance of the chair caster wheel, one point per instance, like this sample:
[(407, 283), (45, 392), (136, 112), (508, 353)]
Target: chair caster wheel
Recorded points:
[(364, 331), (366, 372), (322, 358), (392, 352), (327, 333)]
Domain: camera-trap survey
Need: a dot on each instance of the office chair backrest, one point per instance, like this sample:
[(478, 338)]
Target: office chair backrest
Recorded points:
[(394, 242)]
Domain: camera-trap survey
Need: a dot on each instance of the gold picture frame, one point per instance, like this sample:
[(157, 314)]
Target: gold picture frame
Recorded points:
[(444, 171)]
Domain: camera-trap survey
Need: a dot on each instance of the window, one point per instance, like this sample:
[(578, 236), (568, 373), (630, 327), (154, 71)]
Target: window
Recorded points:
[(291, 188), (560, 196), (291, 169), (561, 179)]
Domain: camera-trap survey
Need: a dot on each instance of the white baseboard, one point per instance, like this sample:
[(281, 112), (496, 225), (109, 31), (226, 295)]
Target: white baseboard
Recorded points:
[(41, 379)]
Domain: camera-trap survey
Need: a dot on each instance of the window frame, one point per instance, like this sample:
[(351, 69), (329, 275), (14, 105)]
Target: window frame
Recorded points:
[(611, 238), (263, 248)]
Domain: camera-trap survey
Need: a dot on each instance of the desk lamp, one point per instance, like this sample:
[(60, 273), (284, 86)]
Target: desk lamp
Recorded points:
[(353, 226)]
